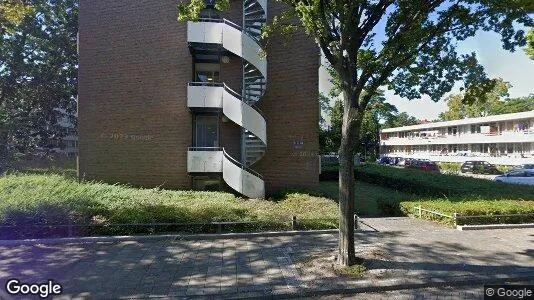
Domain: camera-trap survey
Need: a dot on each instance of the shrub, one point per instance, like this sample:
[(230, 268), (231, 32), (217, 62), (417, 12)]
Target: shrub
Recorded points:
[(54, 199), (450, 168), (439, 185), (487, 210)]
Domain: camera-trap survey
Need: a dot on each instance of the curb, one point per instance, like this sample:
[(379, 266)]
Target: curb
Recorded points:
[(431, 283), (494, 226), (203, 236)]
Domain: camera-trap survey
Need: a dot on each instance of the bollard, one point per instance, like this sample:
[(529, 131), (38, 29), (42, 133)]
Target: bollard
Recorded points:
[(420, 212), (356, 222), (70, 228), (294, 223), (456, 219)]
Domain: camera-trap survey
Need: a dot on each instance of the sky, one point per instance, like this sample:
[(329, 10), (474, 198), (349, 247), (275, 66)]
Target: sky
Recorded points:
[(516, 68)]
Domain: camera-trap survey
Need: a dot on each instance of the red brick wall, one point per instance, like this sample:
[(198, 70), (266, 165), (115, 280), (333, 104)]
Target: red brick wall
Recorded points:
[(134, 125), (292, 110)]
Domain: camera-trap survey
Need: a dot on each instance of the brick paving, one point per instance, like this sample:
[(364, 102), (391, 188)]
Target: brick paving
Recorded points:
[(419, 253)]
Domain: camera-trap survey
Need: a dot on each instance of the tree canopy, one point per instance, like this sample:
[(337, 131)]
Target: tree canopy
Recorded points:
[(530, 44), (494, 102), (12, 13), (38, 72)]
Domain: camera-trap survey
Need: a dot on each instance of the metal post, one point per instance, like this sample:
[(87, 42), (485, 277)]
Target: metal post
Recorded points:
[(294, 222), (70, 228), (456, 219), (356, 222)]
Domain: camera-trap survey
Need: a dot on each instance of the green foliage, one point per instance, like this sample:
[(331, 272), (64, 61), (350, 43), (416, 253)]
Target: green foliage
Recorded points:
[(38, 74), (354, 271), (450, 168), (488, 209), (377, 112), (12, 13), (491, 103), (441, 185), (530, 44), (371, 200), (400, 120), (54, 199), (190, 11)]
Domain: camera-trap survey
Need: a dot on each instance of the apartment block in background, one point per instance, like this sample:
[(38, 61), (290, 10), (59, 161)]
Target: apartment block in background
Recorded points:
[(506, 139)]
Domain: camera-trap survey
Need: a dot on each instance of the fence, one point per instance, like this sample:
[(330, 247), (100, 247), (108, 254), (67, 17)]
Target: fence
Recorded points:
[(73, 229), (459, 219)]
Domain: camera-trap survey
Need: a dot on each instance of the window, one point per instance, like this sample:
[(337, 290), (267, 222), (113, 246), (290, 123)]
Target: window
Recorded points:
[(207, 72), (207, 183), (206, 131)]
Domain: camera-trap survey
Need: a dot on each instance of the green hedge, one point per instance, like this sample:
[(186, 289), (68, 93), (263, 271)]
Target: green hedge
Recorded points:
[(430, 184), (487, 209), (54, 199)]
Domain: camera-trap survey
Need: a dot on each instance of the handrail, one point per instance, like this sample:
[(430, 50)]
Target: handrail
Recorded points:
[(232, 92), (241, 165), (204, 148), (219, 20), (200, 83)]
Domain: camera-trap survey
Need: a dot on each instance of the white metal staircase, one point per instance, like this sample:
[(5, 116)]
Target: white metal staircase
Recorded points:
[(241, 109)]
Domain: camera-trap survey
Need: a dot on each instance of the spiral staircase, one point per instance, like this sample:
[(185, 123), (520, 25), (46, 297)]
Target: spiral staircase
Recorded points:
[(211, 37)]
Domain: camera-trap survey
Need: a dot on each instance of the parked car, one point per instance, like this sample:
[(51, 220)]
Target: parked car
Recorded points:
[(401, 161), (523, 167), (429, 166), (517, 177), (384, 160), (408, 162), (423, 164), (478, 166)]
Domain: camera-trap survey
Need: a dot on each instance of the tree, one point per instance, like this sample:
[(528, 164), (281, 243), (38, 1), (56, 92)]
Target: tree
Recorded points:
[(530, 44), (12, 13), (491, 104), (38, 73), (485, 105), (400, 120), (415, 55), (515, 105)]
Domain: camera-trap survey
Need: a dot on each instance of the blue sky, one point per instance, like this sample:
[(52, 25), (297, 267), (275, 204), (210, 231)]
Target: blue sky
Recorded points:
[(515, 68)]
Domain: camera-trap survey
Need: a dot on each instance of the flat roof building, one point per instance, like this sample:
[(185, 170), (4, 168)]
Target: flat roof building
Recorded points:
[(506, 139), (201, 105)]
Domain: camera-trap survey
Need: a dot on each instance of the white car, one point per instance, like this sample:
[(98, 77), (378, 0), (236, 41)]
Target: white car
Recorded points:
[(517, 177)]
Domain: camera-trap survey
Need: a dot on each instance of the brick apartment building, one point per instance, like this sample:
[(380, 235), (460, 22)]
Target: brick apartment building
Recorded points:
[(188, 105)]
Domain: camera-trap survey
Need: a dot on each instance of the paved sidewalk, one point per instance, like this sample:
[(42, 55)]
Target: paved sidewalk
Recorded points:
[(416, 253)]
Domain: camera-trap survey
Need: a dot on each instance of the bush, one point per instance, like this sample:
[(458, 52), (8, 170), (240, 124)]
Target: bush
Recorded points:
[(487, 210), (54, 199), (450, 168), (439, 185)]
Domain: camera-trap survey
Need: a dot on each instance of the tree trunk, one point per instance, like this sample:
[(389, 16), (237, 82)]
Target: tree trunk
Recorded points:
[(347, 255), (352, 119)]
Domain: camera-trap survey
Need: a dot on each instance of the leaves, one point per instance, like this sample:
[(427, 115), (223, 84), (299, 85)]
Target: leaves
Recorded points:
[(466, 105), (530, 44), (38, 75), (12, 13)]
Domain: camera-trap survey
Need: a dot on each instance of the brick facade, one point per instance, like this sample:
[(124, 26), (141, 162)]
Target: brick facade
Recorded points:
[(134, 124)]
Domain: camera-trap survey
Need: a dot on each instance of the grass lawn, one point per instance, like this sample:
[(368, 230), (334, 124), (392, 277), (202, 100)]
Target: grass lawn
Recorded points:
[(55, 199), (387, 191), (370, 200)]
